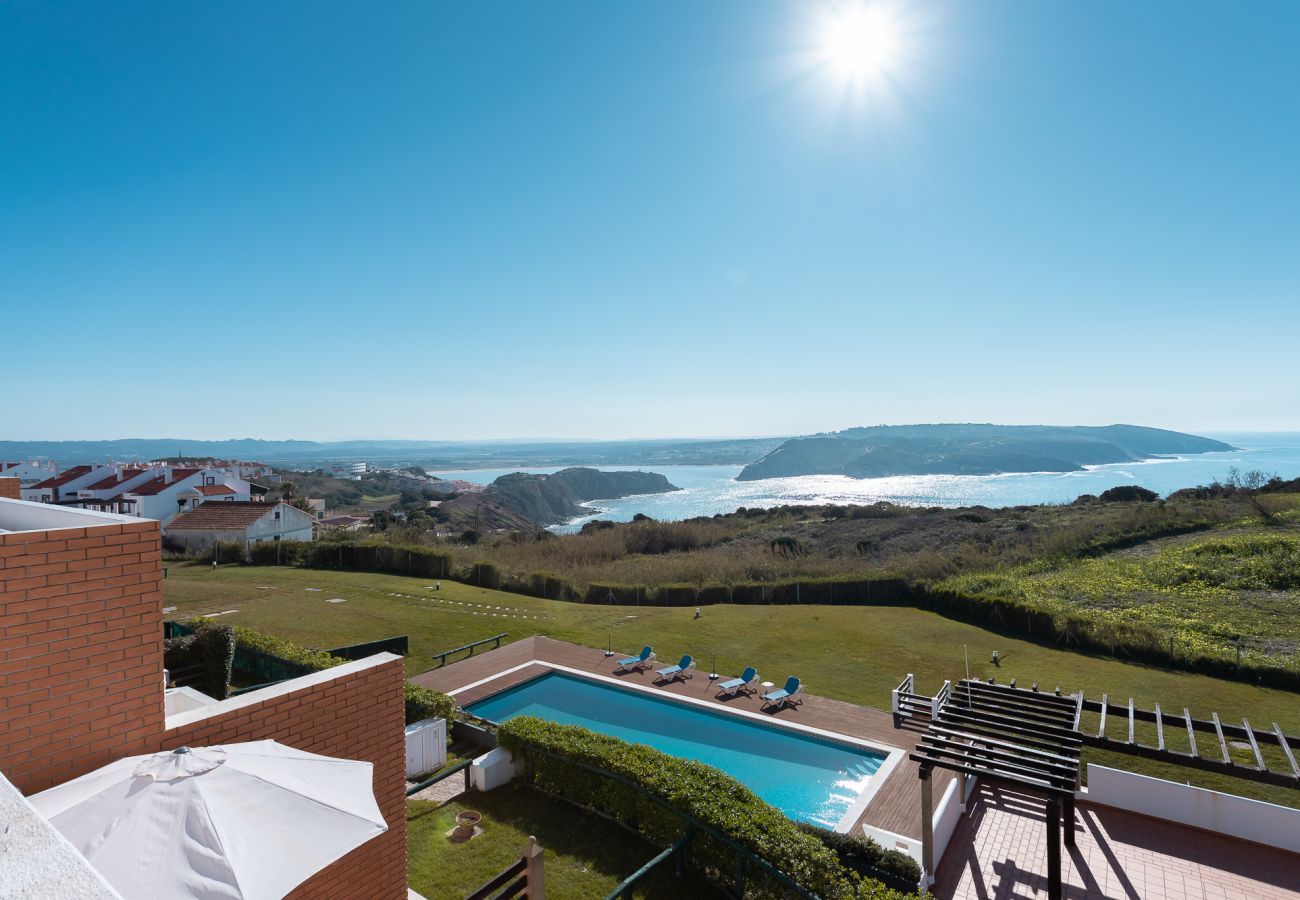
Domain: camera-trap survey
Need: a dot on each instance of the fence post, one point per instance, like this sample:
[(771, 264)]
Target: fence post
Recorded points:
[(533, 856)]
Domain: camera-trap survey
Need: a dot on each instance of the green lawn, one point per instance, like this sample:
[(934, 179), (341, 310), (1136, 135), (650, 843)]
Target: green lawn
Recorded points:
[(586, 856), (850, 653)]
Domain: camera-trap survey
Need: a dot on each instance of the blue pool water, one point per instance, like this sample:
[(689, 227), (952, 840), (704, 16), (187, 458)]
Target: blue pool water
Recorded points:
[(808, 779)]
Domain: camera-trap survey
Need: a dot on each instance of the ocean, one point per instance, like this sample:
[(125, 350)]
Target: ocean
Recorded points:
[(707, 490)]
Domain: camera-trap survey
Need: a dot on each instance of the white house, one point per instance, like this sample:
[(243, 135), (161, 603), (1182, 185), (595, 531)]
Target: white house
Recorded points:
[(243, 522), (29, 471), (65, 485), (149, 491), (174, 491)]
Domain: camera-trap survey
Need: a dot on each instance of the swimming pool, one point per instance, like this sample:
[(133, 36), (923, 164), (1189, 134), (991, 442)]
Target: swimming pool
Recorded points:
[(809, 778)]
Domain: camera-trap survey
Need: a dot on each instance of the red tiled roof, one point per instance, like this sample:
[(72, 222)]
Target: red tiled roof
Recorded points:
[(343, 520), (158, 485), (235, 515), (113, 480), (215, 490), (64, 477)]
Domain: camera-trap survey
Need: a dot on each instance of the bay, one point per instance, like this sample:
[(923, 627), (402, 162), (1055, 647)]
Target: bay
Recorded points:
[(706, 490)]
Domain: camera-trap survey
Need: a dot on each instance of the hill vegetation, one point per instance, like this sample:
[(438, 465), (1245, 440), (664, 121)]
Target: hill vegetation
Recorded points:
[(1202, 580), (886, 450)]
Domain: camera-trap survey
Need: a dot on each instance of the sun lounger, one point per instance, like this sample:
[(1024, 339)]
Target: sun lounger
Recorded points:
[(786, 695), (681, 670), (632, 663), (739, 685)]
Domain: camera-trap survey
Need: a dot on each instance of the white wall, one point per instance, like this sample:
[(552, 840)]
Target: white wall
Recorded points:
[(949, 814), (29, 472), (293, 524), (1251, 820), (20, 515), (162, 505)]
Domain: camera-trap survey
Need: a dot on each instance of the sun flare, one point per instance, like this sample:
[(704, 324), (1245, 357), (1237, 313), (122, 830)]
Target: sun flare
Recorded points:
[(860, 42)]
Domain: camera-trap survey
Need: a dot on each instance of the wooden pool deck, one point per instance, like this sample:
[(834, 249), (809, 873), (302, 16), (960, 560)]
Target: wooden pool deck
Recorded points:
[(896, 806)]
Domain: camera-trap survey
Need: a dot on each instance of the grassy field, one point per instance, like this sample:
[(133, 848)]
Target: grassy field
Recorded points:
[(857, 654), (586, 856), (1210, 592)]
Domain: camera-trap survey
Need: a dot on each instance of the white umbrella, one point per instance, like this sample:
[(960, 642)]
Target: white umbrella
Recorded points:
[(248, 820)]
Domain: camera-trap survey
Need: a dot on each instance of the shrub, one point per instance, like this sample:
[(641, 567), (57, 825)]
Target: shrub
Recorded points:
[(210, 646), (555, 756), (1127, 493), (179, 652), (485, 574), (314, 660), (424, 703), (421, 703), (227, 552), (864, 856), (216, 646)]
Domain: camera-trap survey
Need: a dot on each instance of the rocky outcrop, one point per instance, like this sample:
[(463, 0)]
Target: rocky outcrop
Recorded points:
[(521, 501)]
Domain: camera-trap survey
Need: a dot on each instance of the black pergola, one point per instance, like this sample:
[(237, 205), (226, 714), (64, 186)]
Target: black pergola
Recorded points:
[(1009, 736)]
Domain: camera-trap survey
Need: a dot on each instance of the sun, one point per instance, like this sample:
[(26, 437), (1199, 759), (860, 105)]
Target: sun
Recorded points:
[(860, 42)]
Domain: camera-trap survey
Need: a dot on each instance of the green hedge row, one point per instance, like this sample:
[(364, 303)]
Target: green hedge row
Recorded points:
[(421, 702), (866, 857), (839, 591), (368, 557), (555, 757)]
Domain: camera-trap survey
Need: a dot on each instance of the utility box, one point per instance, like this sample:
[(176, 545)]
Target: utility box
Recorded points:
[(426, 746), (493, 769)]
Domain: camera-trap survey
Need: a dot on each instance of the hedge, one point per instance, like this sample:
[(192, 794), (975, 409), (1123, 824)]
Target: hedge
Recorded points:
[(426, 703), (554, 758), (367, 557), (866, 857), (421, 702), (209, 646), (216, 646)]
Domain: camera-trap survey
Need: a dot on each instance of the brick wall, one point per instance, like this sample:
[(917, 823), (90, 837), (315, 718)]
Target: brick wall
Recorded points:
[(81, 685), (11, 488), (80, 649), (357, 716)]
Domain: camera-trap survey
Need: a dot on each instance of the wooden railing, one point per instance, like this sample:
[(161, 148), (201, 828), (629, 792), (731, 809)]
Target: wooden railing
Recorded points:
[(495, 640), (522, 878), (906, 703)]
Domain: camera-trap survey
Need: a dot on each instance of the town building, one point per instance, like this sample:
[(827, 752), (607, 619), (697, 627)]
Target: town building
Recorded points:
[(29, 471), (66, 484), (242, 522), (174, 491)]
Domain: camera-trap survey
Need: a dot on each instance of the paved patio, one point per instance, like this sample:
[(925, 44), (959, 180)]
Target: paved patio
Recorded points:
[(999, 852)]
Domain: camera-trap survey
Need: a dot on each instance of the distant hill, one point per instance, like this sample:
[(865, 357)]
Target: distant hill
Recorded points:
[(884, 450), (428, 454), (548, 499)]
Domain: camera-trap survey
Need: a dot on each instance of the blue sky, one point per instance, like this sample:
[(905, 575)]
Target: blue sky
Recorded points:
[(670, 218)]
